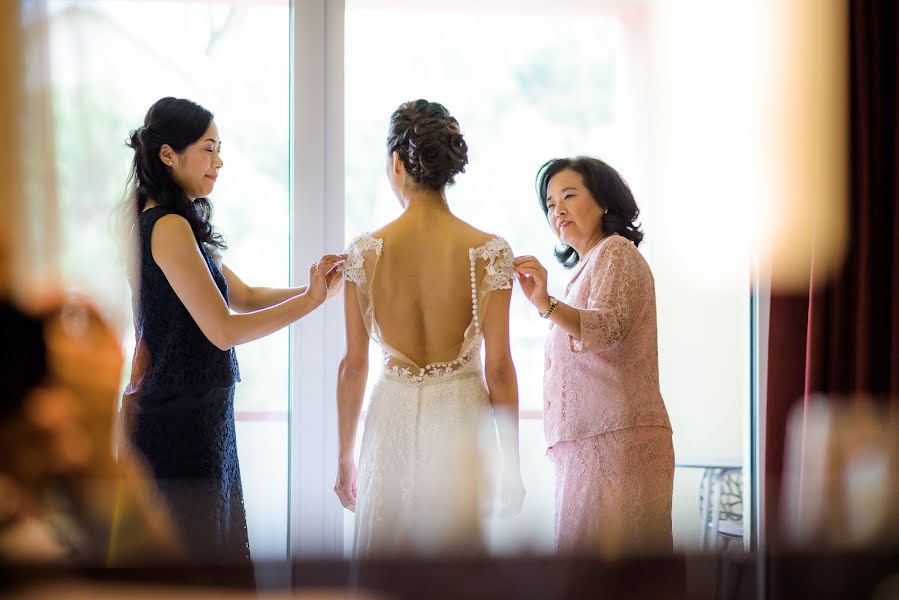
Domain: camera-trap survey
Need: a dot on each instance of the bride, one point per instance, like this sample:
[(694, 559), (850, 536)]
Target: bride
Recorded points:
[(430, 290)]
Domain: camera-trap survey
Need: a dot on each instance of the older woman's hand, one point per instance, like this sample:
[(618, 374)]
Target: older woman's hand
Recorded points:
[(532, 278)]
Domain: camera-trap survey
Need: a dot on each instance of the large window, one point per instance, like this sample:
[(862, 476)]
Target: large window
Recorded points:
[(110, 60), (528, 81)]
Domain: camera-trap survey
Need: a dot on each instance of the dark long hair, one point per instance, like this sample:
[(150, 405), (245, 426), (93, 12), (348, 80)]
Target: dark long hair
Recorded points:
[(430, 144), (609, 190), (178, 123)]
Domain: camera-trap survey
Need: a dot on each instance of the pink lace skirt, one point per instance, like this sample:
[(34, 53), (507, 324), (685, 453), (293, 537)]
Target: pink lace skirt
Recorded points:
[(613, 492)]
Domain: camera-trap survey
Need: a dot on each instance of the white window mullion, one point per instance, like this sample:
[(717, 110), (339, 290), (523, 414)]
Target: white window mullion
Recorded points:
[(316, 520)]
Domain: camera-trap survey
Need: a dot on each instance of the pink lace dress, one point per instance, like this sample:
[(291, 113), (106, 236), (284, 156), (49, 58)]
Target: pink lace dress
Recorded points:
[(606, 425)]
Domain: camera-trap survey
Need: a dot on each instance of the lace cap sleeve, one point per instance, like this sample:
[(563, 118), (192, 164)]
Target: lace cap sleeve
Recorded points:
[(619, 289), (500, 264), (354, 265)]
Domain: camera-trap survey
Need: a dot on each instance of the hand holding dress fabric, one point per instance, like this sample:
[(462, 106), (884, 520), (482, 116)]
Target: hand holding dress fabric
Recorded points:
[(323, 276), (533, 279)]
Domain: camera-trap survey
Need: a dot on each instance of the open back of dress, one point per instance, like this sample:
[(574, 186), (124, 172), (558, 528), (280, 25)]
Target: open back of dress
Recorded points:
[(425, 304)]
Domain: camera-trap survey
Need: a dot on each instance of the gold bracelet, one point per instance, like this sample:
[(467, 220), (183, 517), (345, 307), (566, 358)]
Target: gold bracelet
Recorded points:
[(552, 306)]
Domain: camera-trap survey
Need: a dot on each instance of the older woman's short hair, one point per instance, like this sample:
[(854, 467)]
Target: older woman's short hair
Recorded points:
[(609, 190)]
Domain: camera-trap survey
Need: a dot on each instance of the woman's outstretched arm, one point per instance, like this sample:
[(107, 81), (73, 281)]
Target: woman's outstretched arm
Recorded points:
[(244, 298), (175, 250)]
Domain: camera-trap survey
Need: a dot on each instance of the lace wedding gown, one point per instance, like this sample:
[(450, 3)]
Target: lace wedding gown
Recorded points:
[(423, 479)]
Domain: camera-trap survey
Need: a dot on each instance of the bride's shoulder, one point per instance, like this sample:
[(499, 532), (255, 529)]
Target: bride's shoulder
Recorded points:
[(490, 247), (497, 258), (365, 242), (478, 240)]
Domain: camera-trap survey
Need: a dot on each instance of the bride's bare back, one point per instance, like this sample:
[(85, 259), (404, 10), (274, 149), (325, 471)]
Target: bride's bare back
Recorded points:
[(421, 291)]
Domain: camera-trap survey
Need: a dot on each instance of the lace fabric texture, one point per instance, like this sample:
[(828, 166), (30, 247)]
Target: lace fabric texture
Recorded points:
[(613, 492), (421, 456), (609, 378), (172, 355), (429, 430), (189, 444)]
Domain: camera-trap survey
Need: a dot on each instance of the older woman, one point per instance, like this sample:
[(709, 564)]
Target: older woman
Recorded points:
[(606, 425)]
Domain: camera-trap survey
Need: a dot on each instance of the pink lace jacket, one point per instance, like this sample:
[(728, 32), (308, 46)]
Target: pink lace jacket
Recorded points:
[(609, 378)]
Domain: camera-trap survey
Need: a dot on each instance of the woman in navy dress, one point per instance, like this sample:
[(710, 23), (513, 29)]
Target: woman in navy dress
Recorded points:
[(190, 310)]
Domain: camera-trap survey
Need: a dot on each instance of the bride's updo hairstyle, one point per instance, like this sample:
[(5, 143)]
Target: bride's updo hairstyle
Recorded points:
[(429, 142)]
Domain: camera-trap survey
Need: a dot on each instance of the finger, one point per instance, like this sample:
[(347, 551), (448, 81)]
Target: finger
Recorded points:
[(523, 260), (537, 274), (529, 271), (524, 266), (529, 265), (327, 265)]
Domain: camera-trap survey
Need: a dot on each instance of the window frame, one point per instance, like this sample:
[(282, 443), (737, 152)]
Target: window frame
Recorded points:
[(317, 227)]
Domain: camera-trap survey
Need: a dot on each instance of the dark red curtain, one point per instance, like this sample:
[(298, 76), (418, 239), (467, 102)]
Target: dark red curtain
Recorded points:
[(842, 337)]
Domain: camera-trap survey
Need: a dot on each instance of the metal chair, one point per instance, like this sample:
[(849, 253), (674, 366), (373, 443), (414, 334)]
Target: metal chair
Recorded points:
[(721, 507)]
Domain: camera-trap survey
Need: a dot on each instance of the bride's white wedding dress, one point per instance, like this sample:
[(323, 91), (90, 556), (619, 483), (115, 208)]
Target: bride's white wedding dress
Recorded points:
[(422, 481)]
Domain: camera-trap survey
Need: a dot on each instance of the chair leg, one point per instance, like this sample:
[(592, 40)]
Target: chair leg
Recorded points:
[(704, 491), (716, 507)]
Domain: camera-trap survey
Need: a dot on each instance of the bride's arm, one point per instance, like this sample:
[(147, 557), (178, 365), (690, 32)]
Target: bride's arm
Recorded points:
[(351, 377), (502, 385)]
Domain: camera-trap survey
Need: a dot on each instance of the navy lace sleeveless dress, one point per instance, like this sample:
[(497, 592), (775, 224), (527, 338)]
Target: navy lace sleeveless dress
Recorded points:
[(179, 412)]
